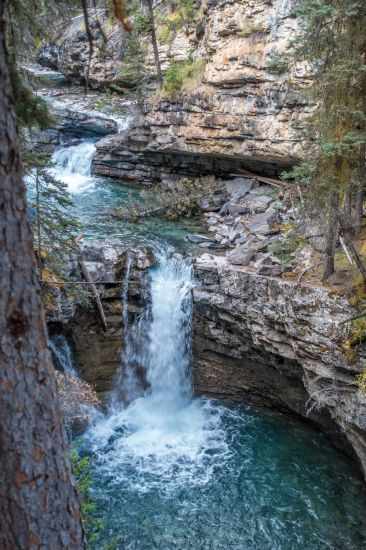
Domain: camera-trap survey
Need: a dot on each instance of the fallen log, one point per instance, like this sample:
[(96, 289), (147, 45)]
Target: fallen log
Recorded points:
[(85, 272)]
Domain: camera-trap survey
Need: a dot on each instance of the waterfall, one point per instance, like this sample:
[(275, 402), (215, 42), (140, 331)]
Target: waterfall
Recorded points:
[(157, 346), (154, 426), (61, 354), (169, 335), (126, 387), (72, 165)]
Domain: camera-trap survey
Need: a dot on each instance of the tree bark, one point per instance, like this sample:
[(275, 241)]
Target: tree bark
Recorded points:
[(360, 193), (39, 507), (155, 42), (331, 235), (358, 212), (347, 235)]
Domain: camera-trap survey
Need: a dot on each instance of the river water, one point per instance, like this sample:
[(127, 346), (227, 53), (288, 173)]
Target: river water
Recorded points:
[(174, 471)]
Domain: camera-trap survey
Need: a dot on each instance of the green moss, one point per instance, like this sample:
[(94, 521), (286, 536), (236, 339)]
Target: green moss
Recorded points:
[(183, 76), (81, 470)]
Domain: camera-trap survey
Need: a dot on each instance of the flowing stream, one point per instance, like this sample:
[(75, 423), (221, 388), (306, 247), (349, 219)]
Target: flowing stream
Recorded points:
[(95, 199), (174, 471)]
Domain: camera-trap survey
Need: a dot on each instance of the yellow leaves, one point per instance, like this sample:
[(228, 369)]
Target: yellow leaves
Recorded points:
[(120, 13), (285, 227), (49, 276), (361, 382)]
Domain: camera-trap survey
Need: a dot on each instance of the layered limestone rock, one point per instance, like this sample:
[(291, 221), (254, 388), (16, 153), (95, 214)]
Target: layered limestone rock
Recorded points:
[(73, 52), (276, 343), (248, 102), (244, 109)]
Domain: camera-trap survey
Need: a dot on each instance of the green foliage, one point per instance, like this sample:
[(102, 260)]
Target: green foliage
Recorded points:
[(30, 110), (183, 75), (181, 17), (54, 227), (141, 23), (132, 72), (333, 43), (286, 247), (81, 470), (302, 174), (28, 22), (332, 47)]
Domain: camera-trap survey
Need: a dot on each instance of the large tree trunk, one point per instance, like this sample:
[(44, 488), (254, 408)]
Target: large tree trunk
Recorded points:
[(39, 507), (360, 194)]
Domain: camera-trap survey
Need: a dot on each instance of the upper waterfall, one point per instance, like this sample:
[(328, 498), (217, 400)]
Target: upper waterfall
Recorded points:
[(72, 165)]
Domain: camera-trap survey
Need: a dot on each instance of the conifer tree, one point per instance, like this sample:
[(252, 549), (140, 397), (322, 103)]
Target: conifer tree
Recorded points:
[(333, 43)]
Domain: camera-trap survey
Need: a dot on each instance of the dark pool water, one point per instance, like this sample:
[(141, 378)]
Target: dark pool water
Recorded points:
[(271, 484)]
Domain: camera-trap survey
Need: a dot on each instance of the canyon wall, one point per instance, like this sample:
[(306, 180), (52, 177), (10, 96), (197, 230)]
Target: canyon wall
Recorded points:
[(244, 108), (277, 343), (257, 338)]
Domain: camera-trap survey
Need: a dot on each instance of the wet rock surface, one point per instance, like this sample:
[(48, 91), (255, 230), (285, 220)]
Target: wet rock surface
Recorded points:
[(97, 351), (257, 336)]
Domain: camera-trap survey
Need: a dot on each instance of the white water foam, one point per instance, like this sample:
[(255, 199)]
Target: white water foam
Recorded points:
[(72, 166), (163, 438)]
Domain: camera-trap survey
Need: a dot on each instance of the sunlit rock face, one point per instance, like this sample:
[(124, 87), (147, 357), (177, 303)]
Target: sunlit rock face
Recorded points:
[(250, 104), (246, 110)]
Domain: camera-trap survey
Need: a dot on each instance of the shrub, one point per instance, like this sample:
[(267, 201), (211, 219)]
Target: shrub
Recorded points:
[(183, 75), (81, 470)]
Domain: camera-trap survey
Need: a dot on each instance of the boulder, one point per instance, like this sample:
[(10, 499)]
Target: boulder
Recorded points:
[(261, 224), (47, 56), (242, 255), (258, 203), (239, 187), (196, 239)]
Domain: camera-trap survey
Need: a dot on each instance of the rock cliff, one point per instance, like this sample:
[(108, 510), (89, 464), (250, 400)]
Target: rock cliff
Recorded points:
[(244, 108), (248, 102), (277, 343), (256, 337)]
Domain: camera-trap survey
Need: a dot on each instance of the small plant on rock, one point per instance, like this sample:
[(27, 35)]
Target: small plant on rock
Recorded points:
[(183, 75)]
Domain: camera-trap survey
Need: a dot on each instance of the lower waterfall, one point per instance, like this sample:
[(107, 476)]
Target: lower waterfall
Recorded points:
[(165, 435), (174, 471)]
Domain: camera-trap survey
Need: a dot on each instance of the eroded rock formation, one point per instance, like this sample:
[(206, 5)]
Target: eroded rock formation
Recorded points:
[(277, 343)]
